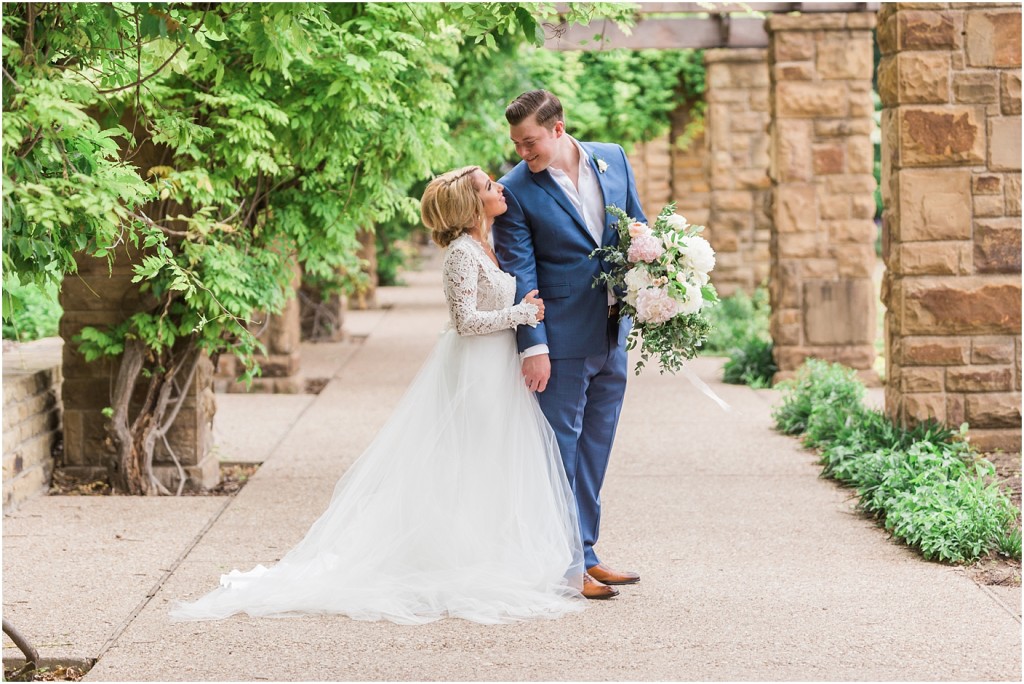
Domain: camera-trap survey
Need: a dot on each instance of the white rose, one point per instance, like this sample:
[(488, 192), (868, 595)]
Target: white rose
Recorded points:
[(677, 222), (698, 254), (694, 300), (637, 279)]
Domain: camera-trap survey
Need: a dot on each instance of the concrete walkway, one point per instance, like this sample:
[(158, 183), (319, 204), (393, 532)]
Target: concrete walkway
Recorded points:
[(753, 567)]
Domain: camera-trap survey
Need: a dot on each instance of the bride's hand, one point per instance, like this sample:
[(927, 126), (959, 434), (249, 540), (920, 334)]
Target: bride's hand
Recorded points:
[(532, 298)]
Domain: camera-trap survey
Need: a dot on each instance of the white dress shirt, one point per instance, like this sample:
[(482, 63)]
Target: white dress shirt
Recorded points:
[(589, 202)]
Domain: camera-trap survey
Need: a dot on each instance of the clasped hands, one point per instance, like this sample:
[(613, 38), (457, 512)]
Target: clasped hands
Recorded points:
[(537, 368)]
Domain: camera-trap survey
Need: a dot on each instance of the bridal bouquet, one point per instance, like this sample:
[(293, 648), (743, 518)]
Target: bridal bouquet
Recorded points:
[(660, 274)]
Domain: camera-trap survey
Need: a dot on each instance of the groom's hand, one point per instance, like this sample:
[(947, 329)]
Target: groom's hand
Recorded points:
[(537, 371)]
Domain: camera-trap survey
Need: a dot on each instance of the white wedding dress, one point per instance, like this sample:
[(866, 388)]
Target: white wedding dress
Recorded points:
[(459, 507)]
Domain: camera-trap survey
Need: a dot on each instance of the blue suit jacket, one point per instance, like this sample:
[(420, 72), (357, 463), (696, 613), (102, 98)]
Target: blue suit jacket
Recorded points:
[(543, 241)]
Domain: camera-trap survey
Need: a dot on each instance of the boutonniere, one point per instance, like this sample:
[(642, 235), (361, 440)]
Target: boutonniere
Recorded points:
[(602, 165)]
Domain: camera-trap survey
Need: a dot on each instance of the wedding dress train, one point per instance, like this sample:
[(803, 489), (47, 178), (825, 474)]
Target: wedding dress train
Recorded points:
[(459, 507)]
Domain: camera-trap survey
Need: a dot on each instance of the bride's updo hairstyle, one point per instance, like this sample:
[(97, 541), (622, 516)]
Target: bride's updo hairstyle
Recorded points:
[(451, 205)]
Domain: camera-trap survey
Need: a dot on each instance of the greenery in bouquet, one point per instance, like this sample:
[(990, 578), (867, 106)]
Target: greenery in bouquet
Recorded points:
[(660, 274)]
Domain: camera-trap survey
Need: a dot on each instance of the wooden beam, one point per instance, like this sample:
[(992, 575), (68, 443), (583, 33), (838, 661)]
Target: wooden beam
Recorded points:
[(736, 32), (655, 8)]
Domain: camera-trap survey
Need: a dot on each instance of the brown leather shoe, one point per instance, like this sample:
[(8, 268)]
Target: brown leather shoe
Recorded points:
[(592, 589), (602, 573)]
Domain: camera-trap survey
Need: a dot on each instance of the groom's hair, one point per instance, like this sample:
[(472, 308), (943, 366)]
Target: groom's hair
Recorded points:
[(541, 103)]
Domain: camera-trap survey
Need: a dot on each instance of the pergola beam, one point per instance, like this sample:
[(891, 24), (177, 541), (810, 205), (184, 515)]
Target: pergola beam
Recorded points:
[(713, 25), (738, 32)]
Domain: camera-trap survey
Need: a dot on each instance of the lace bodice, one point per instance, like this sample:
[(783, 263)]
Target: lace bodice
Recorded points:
[(480, 295)]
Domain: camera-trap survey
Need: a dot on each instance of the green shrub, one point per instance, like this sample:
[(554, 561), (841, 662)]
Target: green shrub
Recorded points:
[(831, 390), (926, 483), (737, 319), (953, 520), (1009, 543), (30, 312), (751, 363)]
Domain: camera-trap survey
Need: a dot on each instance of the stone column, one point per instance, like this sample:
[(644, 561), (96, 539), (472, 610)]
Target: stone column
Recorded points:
[(281, 366), (96, 297), (367, 299), (739, 225), (951, 170), (823, 233)]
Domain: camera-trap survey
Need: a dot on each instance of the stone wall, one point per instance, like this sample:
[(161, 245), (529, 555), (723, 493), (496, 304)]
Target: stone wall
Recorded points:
[(98, 297), (652, 169), (32, 417), (739, 225), (822, 157), (951, 154), (667, 172)]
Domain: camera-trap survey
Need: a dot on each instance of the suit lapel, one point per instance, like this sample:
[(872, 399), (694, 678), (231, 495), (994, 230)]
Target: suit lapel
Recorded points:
[(544, 180)]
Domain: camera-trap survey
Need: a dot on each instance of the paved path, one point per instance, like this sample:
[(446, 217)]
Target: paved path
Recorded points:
[(753, 567)]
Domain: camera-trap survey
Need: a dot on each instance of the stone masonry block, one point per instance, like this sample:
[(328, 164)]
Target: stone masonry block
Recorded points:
[(994, 38), (934, 205), (987, 184), (984, 379), (828, 159), (997, 409), (792, 46), (922, 379), (933, 351), (834, 207), (1013, 195), (845, 59), (839, 312), (941, 136), (860, 155), (976, 87), (997, 246), (919, 407), (798, 99), (1009, 92), (1004, 152), (929, 258), (992, 350), (928, 30), (793, 151), (914, 78), (987, 441), (796, 208), (961, 305)]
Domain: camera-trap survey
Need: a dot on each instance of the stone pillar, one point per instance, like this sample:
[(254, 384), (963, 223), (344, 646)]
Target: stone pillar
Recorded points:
[(281, 366), (96, 297), (321, 320), (652, 169), (739, 225), (367, 299), (951, 171), (823, 233)]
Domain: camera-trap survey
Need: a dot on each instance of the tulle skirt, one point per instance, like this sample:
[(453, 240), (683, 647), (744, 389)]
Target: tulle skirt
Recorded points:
[(458, 508)]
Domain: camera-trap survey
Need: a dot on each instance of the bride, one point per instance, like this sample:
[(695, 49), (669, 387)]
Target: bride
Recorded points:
[(460, 506)]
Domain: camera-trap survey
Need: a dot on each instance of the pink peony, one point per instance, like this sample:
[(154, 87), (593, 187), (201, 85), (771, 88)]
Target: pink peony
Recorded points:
[(654, 305), (645, 248)]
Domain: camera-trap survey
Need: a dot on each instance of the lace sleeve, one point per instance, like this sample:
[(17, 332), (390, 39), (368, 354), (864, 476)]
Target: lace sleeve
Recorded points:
[(461, 280)]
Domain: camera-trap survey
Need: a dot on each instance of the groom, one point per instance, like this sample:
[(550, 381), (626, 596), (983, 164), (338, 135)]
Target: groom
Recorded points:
[(576, 359)]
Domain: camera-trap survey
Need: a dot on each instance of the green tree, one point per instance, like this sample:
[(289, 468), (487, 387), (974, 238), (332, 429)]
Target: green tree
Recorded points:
[(218, 142)]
